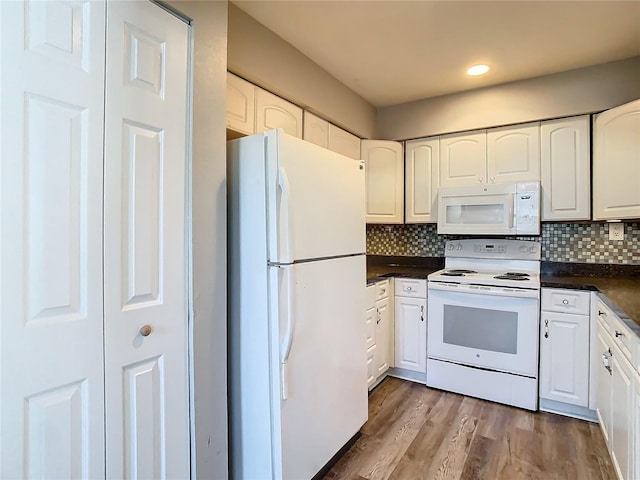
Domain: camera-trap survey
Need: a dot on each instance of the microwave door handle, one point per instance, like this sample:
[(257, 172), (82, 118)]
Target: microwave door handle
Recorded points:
[(512, 212)]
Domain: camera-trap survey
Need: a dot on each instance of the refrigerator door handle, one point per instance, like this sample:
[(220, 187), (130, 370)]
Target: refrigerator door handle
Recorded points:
[(283, 184), (288, 334)]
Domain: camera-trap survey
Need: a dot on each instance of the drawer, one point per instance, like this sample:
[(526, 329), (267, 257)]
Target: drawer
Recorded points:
[(605, 316), (371, 296), (382, 289), (411, 287), (565, 301), (624, 338)]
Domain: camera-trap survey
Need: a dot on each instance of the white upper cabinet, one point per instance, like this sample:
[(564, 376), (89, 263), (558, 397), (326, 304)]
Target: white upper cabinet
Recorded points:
[(565, 169), (274, 112), (616, 163), (513, 153), (344, 142), (327, 135), (241, 108), (421, 180), (463, 159), (316, 130), (384, 180)]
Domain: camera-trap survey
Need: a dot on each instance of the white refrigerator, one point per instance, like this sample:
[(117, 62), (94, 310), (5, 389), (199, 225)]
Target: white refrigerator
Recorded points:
[(297, 277)]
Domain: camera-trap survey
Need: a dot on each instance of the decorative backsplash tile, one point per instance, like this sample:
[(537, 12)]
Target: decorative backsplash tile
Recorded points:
[(561, 242)]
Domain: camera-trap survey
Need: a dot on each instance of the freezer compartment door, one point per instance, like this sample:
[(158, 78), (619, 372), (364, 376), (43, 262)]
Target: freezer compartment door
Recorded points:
[(316, 201), (322, 388)]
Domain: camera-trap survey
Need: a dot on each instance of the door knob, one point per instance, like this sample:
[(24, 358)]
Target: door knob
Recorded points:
[(145, 330)]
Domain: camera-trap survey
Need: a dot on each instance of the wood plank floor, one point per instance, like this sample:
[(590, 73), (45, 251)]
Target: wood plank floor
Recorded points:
[(414, 432)]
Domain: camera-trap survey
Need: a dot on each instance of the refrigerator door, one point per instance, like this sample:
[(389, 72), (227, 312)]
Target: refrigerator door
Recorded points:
[(316, 201), (321, 384)]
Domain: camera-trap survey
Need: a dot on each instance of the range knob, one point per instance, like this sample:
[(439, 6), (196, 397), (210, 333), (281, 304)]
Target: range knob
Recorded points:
[(533, 249), (523, 249)]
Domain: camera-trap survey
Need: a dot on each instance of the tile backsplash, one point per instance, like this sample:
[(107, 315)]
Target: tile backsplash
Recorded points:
[(561, 242)]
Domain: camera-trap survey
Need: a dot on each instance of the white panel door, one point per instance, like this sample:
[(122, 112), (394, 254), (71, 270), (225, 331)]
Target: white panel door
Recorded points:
[(316, 201), (241, 105), (316, 130), (323, 379), (565, 168), (513, 153), (564, 358), (421, 180), (410, 320), (384, 165), (343, 142), (274, 112), (463, 159), (51, 375), (147, 418), (616, 169)]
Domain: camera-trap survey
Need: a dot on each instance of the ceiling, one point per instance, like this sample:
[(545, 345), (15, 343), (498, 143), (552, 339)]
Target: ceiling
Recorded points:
[(392, 52)]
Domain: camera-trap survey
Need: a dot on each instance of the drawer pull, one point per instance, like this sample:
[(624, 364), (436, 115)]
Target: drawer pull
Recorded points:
[(619, 334), (546, 329), (600, 313), (565, 301), (408, 288), (422, 313), (606, 356)]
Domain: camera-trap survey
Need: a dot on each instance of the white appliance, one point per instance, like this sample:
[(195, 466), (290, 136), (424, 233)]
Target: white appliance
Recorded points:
[(297, 278), (483, 310), (495, 209)]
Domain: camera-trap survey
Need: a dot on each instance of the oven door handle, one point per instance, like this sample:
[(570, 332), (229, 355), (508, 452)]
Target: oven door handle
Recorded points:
[(484, 290)]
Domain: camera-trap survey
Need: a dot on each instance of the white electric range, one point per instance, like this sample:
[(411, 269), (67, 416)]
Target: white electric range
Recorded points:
[(482, 332)]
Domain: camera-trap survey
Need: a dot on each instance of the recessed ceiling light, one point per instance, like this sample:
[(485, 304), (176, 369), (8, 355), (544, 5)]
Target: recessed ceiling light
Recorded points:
[(477, 70)]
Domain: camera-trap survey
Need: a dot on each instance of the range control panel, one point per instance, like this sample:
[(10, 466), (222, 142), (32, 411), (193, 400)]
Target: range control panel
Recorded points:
[(501, 249)]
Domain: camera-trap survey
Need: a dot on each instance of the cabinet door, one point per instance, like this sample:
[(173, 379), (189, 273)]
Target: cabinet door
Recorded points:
[(565, 170), (463, 159), (603, 384), (384, 180), (622, 408), (241, 105), (274, 112), (372, 371), (421, 180), (564, 358), (344, 142), (384, 336), (410, 323), (316, 130), (636, 418), (513, 153), (370, 328), (616, 169)]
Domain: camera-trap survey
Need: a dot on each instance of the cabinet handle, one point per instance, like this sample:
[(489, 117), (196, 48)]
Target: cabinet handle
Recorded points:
[(546, 329), (619, 333), (378, 314), (422, 313), (600, 313), (565, 302), (145, 330), (492, 179), (480, 179), (606, 356), (409, 288)]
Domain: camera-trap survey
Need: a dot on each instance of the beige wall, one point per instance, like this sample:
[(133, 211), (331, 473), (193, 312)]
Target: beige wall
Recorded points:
[(574, 92), (208, 231), (260, 56)]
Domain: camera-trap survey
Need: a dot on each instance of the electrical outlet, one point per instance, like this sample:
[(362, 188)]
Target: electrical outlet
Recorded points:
[(616, 231)]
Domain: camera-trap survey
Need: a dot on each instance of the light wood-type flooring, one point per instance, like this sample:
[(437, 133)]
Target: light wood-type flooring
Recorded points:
[(414, 432)]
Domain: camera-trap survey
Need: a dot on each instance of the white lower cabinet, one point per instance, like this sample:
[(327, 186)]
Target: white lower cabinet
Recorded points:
[(636, 414), (410, 325), (617, 399), (379, 330), (565, 325)]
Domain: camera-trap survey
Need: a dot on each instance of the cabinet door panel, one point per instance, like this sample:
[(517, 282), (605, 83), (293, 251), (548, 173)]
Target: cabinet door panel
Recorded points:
[(241, 105), (621, 426), (463, 159), (603, 386), (616, 169), (384, 181), (513, 153), (274, 112), (410, 319), (565, 169), (344, 142), (316, 130), (564, 358), (384, 336), (370, 328), (421, 183)]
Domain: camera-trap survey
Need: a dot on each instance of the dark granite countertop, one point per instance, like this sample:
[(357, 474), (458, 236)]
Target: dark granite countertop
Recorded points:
[(618, 284)]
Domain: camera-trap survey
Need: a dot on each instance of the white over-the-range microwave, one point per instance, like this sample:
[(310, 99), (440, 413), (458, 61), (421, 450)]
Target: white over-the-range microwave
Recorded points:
[(494, 209)]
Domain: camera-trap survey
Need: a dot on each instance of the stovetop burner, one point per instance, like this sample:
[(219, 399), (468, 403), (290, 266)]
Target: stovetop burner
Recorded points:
[(516, 274), (513, 276), (457, 272)]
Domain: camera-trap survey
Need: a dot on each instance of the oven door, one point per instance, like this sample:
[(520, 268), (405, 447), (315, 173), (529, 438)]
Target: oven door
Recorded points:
[(487, 327)]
